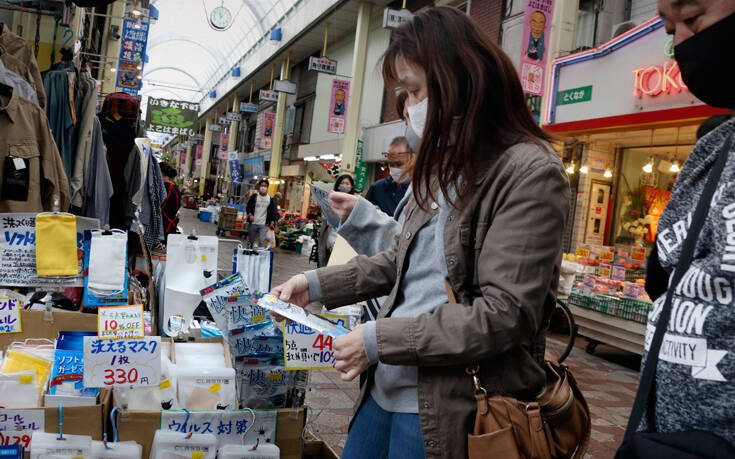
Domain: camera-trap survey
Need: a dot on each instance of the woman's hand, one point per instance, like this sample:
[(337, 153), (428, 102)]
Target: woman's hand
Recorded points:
[(294, 291), (349, 352), (342, 203)]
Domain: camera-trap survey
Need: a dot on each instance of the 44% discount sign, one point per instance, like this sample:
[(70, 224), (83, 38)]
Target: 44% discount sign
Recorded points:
[(121, 355)]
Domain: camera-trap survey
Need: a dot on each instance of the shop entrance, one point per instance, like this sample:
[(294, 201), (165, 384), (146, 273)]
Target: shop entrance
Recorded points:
[(598, 212)]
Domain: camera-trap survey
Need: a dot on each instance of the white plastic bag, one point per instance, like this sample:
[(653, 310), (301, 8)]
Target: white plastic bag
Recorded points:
[(207, 388), (174, 445), (48, 445), (117, 450)]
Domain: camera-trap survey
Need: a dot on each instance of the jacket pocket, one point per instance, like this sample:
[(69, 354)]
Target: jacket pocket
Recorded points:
[(28, 150)]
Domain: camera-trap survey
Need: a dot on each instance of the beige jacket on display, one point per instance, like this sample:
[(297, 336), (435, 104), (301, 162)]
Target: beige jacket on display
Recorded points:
[(17, 47), (503, 253)]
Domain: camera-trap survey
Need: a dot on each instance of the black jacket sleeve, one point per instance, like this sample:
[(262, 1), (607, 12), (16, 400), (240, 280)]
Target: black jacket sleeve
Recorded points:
[(657, 279), (273, 216), (250, 208)]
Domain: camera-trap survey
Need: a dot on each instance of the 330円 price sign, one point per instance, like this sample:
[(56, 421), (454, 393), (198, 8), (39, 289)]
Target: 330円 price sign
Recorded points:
[(122, 362)]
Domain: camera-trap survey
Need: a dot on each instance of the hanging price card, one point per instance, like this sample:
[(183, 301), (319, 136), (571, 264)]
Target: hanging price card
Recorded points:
[(120, 322), (583, 253), (606, 256), (638, 254), (618, 272), (17, 426), (604, 269), (9, 315), (122, 362), (306, 349)]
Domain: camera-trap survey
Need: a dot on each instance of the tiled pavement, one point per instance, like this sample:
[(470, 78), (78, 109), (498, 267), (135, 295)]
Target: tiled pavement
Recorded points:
[(608, 385)]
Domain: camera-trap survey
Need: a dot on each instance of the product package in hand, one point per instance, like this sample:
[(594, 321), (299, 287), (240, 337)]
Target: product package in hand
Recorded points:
[(264, 382), (261, 339), (215, 297), (302, 316)]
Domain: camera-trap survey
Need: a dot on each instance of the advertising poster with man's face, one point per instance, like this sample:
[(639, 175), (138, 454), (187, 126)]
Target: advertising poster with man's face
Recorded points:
[(200, 153), (338, 106), (224, 143), (266, 130), (536, 31)]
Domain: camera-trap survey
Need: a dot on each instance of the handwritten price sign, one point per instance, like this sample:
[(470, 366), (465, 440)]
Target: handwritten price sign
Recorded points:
[(122, 362), (227, 425), (120, 322), (306, 349), (9, 315), (17, 426)]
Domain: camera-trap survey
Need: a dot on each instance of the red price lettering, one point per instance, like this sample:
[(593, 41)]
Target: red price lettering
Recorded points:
[(110, 324), (123, 377), (321, 342), (6, 440)]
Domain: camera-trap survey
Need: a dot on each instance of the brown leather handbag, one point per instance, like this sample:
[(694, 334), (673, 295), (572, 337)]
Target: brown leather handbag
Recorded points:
[(556, 425)]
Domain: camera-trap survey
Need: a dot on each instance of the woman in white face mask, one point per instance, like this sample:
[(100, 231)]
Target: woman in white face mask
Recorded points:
[(345, 183)]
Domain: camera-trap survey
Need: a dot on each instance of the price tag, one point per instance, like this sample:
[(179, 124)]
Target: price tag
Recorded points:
[(9, 315), (589, 283), (122, 362), (120, 322), (618, 272), (227, 425), (638, 254), (17, 426), (307, 349), (606, 256), (604, 269), (584, 253)]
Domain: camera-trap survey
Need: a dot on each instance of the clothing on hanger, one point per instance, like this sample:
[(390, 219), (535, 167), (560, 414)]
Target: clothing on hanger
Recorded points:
[(16, 46), (10, 78), (154, 192), (84, 139), (28, 157), (97, 182)]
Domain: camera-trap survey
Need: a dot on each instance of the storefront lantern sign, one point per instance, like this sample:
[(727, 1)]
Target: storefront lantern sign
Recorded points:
[(323, 65), (223, 120), (215, 127), (174, 117)]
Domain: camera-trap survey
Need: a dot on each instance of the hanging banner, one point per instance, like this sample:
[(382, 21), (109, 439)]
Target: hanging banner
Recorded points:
[(235, 168), (254, 167), (18, 252), (266, 131), (361, 172), (224, 146), (167, 116), (182, 160), (338, 106), (536, 30), (200, 153), (132, 57)]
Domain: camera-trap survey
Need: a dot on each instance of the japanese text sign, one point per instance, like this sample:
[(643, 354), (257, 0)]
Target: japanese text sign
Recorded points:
[(228, 426), (18, 251), (323, 65), (254, 167), (9, 315), (574, 96), (266, 130), (235, 168), (268, 95), (122, 362), (17, 426), (536, 37), (120, 322), (174, 117), (200, 153), (338, 106), (132, 56), (232, 116), (248, 107), (306, 349)]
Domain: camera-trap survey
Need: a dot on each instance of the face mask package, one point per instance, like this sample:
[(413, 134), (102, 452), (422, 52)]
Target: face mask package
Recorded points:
[(68, 369), (244, 310), (21, 362), (18, 390), (200, 355), (174, 445), (207, 389), (262, 339), (116, 450), (215, 297), (105, 265), (163, 395), (48, 445), (264, 382), (259, 451), (255, 266)]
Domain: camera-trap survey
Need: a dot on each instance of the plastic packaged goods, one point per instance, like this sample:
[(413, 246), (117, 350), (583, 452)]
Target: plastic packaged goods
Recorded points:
[(18, 390), (259, 451), (244, 310), (21, 362), (49, 445), (264, 383), (200, 355), (207, 388), (215, 297), (259, 339), (162, 396), (174, 445), (68, 370), (116, 450)]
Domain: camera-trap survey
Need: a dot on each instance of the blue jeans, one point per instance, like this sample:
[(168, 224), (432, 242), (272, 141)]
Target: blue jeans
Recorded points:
[(377, 434)]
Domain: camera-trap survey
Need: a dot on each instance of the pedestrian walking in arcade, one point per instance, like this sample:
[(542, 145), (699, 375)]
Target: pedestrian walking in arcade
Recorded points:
[(472, 275)]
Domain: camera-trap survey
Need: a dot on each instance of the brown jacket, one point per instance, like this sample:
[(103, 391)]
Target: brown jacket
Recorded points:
[(503, 251), (16, 46)]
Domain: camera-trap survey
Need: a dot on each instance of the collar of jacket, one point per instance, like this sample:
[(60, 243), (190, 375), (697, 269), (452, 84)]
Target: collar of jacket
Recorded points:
[(12, 108)]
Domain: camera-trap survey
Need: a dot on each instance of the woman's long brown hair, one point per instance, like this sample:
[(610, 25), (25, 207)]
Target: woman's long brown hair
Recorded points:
[(473, 85)]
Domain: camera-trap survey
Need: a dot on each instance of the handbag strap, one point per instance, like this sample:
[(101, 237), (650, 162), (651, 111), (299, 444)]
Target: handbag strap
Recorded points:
[(685, 260)]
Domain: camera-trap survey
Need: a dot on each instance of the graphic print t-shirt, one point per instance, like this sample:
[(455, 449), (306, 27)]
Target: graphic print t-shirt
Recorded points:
[(695, 376), (261, 209)]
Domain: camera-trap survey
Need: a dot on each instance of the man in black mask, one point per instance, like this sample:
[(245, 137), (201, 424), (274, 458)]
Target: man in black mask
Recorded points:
[(695, 389)]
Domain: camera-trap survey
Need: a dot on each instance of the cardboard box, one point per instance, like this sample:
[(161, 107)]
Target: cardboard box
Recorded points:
[(42, 324)]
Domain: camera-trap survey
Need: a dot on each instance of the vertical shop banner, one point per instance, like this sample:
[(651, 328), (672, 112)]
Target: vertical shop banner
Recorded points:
[(200, 153), (132, 57), (534, 53), (182, 161), (174, 117), (224, 146), (266, 131), (360, 167), (235, 168), (338, 105)]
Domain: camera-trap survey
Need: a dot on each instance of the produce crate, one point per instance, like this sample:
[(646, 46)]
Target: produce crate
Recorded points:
[(624, 308)]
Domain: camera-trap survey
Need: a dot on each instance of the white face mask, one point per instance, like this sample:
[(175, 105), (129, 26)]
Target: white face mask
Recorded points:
[(345, 188), (417, 115), (263, 190), (396, 173)]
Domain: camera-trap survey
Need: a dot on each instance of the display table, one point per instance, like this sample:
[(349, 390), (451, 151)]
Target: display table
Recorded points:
[(621, 333)]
